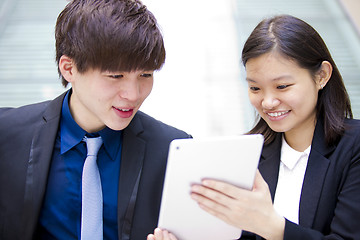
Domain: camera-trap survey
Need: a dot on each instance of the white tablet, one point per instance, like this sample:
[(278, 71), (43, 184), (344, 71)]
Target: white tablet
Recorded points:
[(230, 159)]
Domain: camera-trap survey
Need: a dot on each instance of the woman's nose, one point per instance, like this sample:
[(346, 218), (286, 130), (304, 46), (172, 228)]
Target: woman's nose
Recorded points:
[(270, 101)]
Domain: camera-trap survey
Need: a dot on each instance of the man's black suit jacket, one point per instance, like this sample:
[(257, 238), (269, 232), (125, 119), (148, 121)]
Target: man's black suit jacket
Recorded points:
[(27, 137)]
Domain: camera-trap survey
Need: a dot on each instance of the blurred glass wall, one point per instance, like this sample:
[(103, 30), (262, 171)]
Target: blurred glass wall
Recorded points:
[(201, 87)]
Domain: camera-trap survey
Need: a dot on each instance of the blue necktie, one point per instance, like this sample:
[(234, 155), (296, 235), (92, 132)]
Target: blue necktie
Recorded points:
[(92, 199)]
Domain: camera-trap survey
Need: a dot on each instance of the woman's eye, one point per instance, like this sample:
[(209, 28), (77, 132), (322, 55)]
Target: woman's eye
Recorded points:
[(254, 88), (282, 86)]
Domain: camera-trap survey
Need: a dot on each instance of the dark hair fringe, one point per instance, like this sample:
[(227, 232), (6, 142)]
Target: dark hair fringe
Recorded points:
[(112, 35)]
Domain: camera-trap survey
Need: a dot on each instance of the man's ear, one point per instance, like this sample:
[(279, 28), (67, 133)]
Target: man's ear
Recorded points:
[(67, 67), (324, 74)]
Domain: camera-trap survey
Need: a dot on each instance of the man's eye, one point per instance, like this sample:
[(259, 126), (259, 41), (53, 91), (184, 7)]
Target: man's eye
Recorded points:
[(116, 76), (146, 75)]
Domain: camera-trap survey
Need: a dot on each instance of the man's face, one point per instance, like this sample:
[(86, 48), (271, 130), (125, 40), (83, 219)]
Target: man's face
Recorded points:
[(109, 99)]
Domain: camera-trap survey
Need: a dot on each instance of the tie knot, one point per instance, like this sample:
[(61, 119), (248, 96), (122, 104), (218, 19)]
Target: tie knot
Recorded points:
[(93, 145)]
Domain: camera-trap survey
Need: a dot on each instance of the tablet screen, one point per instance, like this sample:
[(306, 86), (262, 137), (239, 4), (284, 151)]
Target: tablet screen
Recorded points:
[(232, 159)]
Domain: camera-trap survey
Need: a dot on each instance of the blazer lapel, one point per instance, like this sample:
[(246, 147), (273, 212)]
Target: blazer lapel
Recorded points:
[(314, 178), (270, 162), (130, 171), (39, 161)]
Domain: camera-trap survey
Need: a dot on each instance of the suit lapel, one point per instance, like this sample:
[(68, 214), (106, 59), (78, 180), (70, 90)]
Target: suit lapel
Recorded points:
[(130, 171), (314, 178), (40, 158), (39, 161), (270, 162)]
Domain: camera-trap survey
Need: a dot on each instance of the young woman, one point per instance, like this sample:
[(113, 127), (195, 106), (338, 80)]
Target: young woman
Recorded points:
[(308, 184)]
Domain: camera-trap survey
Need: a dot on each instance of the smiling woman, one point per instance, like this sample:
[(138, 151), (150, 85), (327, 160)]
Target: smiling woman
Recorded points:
[(311, 139), (308, 184), (277, 88)]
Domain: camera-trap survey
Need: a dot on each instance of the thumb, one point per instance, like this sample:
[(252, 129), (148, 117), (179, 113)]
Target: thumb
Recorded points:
[(259, 182)]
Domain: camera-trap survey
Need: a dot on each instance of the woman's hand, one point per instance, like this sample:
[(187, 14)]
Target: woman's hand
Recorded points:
[(160, 234), (252, 211)]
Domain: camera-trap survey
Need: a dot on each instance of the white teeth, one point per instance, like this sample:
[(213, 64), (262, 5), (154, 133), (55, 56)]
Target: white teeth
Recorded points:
[(123, 109), (277, 114)]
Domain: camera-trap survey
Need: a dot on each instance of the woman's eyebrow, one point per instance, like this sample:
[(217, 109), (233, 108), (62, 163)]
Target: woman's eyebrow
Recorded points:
[(286, 76)]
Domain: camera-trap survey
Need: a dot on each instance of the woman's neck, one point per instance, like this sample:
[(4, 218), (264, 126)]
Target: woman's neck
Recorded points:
[(300, 139)]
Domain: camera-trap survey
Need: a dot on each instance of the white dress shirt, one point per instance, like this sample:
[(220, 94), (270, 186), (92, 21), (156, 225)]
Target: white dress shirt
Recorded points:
[(291, 176)]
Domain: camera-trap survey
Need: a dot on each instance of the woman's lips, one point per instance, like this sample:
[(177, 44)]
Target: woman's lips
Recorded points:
[(277, 115)]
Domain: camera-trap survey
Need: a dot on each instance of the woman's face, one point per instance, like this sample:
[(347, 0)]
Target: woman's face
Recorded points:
[(284, 94)]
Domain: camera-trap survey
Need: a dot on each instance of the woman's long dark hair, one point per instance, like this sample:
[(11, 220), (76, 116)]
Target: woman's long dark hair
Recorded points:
[(298, 41)]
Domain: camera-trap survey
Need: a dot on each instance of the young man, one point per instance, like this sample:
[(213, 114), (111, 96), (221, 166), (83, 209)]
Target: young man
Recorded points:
[(108, 51)]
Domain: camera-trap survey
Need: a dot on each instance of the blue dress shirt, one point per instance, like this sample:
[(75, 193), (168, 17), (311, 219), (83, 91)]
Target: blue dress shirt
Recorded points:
[(60, 217)]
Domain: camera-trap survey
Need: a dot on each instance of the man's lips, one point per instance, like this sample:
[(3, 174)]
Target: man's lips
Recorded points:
[(124, 112)]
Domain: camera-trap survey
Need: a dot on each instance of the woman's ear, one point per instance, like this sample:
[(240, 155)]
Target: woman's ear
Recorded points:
[(324, 74), (66, 67)]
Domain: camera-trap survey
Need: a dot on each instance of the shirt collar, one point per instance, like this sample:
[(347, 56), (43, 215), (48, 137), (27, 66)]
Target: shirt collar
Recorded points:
[(112, 141), (289, 156), (72, 134)]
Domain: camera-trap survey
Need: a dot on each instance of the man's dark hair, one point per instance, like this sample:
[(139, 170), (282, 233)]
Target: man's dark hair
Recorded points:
[(109, 35)]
